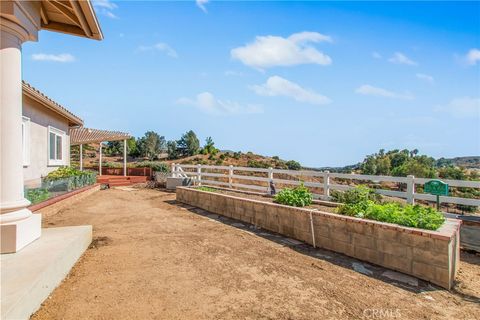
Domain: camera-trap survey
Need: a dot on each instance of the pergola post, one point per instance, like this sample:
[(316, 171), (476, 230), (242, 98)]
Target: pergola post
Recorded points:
[(81, 157), (100, 160), (125, 158)]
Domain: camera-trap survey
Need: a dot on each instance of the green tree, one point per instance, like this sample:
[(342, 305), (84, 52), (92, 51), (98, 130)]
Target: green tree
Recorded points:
[(114, 148), (188, 145), (132, 147), (150, 145), (209, 147), (172, 150), (293, 165)]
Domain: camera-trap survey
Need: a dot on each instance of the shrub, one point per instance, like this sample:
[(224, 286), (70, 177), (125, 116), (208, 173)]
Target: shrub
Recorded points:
[(356, 195), (208, 189), (359, 204), (257, 164), (297, 197), (112, 165), (68, 178), (237, 155), (293, 165), (156, 166), (37, 195)]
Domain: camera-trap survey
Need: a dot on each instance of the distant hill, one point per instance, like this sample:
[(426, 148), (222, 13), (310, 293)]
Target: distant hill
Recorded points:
[(472, 162)]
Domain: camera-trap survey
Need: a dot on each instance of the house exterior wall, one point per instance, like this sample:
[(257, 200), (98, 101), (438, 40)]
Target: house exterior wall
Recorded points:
[(41, 119)]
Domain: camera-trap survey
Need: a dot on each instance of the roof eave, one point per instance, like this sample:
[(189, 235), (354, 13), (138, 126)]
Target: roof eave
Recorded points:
[(29, 91)]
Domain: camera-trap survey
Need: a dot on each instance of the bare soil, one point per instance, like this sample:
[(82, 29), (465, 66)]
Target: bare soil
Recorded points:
[(153, 258)]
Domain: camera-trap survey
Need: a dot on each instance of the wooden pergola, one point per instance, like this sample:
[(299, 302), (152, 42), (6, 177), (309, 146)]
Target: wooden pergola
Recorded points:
[(82, 135)]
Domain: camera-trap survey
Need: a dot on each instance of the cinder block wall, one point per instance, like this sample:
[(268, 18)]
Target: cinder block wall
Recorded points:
[(429, 255)]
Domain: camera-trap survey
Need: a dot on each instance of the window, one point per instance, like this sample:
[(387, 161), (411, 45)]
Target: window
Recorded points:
[(26, 140), (56, 140)]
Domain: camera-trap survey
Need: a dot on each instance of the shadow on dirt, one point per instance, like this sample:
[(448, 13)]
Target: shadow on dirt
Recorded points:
[(395, 278)]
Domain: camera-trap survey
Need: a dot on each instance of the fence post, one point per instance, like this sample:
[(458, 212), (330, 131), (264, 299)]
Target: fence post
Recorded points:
[(326, 184), (411, 189), (199, 174), (270, 179), (230, 176), (173, 170)]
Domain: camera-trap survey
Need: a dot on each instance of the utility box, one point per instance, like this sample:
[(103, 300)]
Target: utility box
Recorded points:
[(174, 182)]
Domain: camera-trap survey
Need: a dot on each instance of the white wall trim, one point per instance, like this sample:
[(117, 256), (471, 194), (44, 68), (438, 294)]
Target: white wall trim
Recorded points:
[(26, 141), (57, 162)]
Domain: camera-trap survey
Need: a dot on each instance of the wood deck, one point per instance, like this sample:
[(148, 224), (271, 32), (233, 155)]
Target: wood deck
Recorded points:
[(114, 181)]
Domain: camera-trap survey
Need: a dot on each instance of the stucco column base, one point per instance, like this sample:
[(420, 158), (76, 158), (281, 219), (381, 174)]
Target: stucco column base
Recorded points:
[(18, 234)]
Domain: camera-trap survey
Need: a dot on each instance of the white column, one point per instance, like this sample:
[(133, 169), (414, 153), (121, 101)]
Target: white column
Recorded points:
[(100, 160), (81, 157), (18, 226), (125, 158)]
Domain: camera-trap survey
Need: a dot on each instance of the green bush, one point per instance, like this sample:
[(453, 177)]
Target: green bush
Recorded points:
[(208, 189), (360, 204), (356, 195), (109, 164), (156, 166), (257, 164), (297, 197), (293, 165), (37, 195), (68, 178)]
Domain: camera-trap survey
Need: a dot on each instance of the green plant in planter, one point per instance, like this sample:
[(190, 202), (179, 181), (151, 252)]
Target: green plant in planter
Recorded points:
[(355, 195), (361, 204), (37, 195), (208, 189), (68, 178), (297, 197)]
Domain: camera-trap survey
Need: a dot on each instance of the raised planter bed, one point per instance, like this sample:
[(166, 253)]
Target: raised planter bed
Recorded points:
[(53, 205), (429, 255)]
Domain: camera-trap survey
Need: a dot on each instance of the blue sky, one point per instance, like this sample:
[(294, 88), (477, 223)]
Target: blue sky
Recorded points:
[(324, 83)]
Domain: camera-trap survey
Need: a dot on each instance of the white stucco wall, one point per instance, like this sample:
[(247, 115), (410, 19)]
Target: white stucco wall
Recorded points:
[(40, 119)]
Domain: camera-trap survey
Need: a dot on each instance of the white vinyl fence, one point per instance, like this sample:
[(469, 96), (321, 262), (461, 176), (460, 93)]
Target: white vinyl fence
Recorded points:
[(229, 176)]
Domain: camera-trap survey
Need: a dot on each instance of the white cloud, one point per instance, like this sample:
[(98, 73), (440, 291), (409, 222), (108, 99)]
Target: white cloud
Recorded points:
[(462, 107), (376, 55), (472, 56), (105, 7), (400, 58), (425, 77), (278, 86), (162, 47), (271, 51), (369, 90), (201, 4), (206, 102), (64, 57)]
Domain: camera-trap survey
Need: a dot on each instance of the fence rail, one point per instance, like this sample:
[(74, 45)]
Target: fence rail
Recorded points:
[(203, 174)]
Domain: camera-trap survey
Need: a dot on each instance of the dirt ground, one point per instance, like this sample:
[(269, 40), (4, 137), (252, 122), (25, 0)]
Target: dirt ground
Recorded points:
[(153, 258)]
